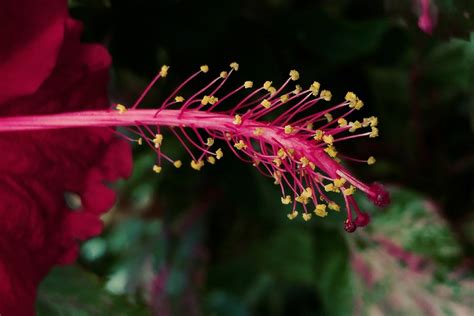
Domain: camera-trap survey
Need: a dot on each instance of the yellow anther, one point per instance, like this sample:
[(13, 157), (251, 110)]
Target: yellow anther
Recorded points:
[(211, 160), (284, 98), (237, 120), (333, 206), (295, 75), (349, 191), (374, 132), (240, 145), (219, 154), (209, 141), (351, 97), (306, 216), (205, 100), (291, 216), (277, 176), (266, 104), (312, 165), (328, 117), (326, 95), (359, 104), (164, 71), (318, 135), (314, 88), (234, 66), (197, 165), (371, 160), (310, 126), (304, 161), (272, 90), (370, 121), (290, 151), (277, 162), (248, 84), (178, 164), (204, 68), (258, 131), (121, 108), (321, 210), (328, 139), (179, 99), (330, 187), (304, 197), (286, 200), (281, 153), (342, 122), (331, 151), (267, 85), (339, 182), (158, 140), (223, 74), (140, 141), (289, 129), (354, 126), (213, 100), (298, 89), (157, 168)]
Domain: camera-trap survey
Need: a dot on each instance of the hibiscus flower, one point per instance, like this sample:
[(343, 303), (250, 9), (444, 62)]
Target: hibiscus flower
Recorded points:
[(46, 69)]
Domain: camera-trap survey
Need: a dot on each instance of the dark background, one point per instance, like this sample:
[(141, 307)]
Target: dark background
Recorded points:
[(218, 242)]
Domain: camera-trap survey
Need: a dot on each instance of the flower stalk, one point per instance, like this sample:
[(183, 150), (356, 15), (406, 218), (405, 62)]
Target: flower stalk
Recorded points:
[(278, 132)]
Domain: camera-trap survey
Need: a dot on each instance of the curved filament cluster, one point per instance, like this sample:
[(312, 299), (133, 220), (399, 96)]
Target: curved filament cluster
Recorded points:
[(287, 132)]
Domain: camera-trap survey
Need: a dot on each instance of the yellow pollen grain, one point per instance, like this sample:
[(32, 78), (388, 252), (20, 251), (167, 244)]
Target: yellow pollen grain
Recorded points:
[(237, 120), (240, 145), (304, 161), (204, 68), (234, 66), (209, 141), (314, 88), (339, 182), (248, 84), (258, 131), (211, 160), (342, 122), (213, 100), (177, 164), (306, 216), (289, 129), (298, 89), (266, 104), (318, 135), (277, 162), (371, 160), (286, 200), (158, 140), (164, 71), (328, 117), (157, 169), (267, 85), (219, 153), (321, 210), (223, 74), (328, 139), (291, 216), (374, 132), (333, 206), (326, 95), (349, 191), (197, 165), (331, 151), (121, 108), (294, 75), (179, 99)]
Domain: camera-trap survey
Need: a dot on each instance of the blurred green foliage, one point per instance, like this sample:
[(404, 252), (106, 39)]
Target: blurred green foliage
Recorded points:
[(218, 242)]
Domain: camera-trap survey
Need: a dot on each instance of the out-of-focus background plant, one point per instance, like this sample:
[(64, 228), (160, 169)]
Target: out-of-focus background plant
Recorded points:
[(219, 242)]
